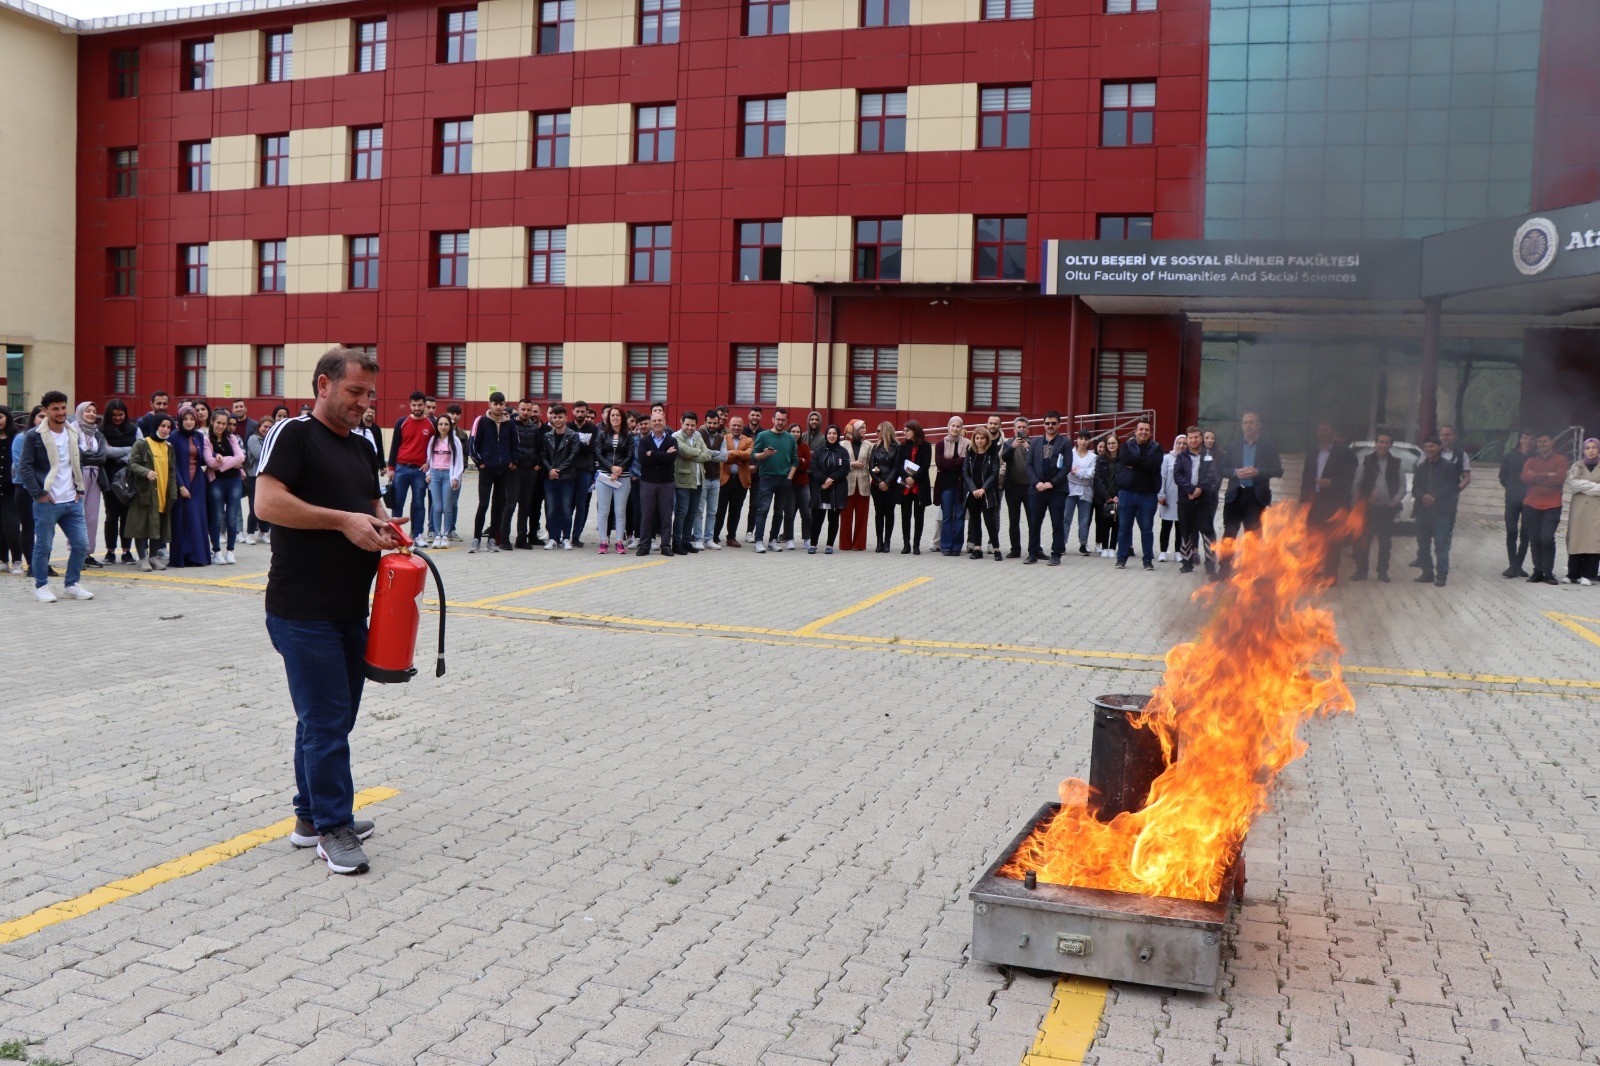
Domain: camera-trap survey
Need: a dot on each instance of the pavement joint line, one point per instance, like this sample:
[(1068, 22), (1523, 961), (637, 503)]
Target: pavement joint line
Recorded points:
[(1570, 621), (17, 928), (811, 629), (486, 601), (1070, 1025)]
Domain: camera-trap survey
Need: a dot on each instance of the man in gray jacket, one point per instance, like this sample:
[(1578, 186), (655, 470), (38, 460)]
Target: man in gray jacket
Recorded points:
[(689, 476)]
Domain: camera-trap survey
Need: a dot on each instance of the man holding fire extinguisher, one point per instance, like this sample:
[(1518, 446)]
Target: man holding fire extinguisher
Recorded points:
[(318, 486)]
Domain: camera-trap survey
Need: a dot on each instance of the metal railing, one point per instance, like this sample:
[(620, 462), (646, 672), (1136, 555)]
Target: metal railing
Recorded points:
[(1570, 442), (1120, 423)]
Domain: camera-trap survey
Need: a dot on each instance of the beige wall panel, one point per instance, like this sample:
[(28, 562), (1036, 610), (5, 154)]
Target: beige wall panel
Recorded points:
[(493, 366), (810, 16), (604, 24), (235, 162), (933, 377), (601, 135), (942, 118), (499, 258), (238, 59), (937, 248), (597, 253), (230, 370), (593, 368), (505, 28), (319, 155), (816, 248), (232, 268), (927, 12), (501, 141), (821, 122), (299, 362), (794, 376), (322, 49), (317, 263)]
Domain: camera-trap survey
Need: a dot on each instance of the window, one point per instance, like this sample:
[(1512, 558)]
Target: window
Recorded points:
[(275, 159), (372, 45), (194, 277), (556, 21), (363, 262), (658, 21), (364, 349), (455, 146), (124, 73), (763, 122), (1003, 116), (192, 371), (995, 380), (121, 271), (882, 122), (1129, 113), (878, 249), (450, 258), (269, 370), (194, 172), (885, 12), (647, 373), (995, 10), (1000, 249), (874, 376), (366, 153), (1125, 227), (1127, 7), (655, 138), (760, 251), (1120, 383), (449, 365), (544, 371), (122, 371), (458, 35), (652, 255), (547, 256), (124, 172), (199, 57), (755, 374), (272, 266), (279, 55), (552, 139), (765, 17)]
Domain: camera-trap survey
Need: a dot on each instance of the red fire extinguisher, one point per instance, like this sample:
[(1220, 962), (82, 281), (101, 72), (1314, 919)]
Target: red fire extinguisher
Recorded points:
[(397, 612)]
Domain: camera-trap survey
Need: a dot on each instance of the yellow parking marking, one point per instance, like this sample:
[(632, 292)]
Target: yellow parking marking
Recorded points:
[(562, 584), (1570, 621), (1070, 1025), (811, 628), (171, 870)]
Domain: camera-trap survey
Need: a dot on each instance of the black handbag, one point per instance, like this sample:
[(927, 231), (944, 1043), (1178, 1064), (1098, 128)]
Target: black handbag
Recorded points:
[(124, 486)]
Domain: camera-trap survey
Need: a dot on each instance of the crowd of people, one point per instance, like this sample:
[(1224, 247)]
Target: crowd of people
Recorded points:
[(177, 488)]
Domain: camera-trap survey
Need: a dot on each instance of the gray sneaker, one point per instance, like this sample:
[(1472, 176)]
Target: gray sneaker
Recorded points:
[(341, 849), (304, 834), (476, 543)]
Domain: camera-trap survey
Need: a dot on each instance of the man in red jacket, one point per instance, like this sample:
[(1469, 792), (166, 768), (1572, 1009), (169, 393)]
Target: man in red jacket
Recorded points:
[(408, 462), (1544, 473)]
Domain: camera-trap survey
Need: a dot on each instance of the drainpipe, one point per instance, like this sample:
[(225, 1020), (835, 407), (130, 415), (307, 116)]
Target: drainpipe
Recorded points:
[(1072, 363), (1428, 402)]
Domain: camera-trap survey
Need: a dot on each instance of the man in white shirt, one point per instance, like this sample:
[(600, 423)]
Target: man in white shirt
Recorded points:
[(52, 475)]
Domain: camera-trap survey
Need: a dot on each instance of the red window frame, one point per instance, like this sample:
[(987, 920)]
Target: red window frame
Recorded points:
[(885, 13), (366, 153), (451, 259), (1000, 248), (192, 370), (269, 370), (124, 173), (1128, 113), (655, 133), (122, 370), (1119, 381), (124, 73), (364, 262), (875, 376), (763, 125), (272, 266), (994, 379), (122, 272), (447, 365), (557, 26), (200, 61), (651, 247), (881, 121), (547, 256), (194, 269), (878, 246), (758, 250), (552, 139), (1124, 227), (660, 21), (755, 375), (274, 159), (372, 45), (542, 364), (458, 35), (194, 166), (647, 373), (766, 18), (1005, 116), (454, 154), (278, 53)]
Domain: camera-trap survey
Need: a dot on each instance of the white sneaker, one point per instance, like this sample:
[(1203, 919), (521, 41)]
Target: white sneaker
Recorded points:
[(216, 558), (549, 545), (266, 538), (633, 542), (790, 545), (715, 546), (697, 545), (76, 592), (16, 569), (761, 549), (1566, 581), (229, 559), (249, 538), (566, 545), (1584, 581), (774, 546), (44, 595)]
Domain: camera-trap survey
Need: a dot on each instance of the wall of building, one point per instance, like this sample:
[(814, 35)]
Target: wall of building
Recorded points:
[(38, 65)]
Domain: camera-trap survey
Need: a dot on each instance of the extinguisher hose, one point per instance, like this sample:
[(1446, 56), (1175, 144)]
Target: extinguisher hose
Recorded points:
[(438, 584)]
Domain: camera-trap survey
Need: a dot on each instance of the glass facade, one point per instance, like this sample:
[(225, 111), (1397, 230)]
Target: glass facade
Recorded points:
[(1369, 118)]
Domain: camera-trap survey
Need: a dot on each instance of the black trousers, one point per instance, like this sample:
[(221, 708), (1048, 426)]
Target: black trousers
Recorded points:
[(1016, 503), (882, 516), (1378, 525), (819, 516), (491, 484), (1242, 512), (117, 517), (1197, 530), (978, 517), (1584, 564), (513, 488), (911, 511), (655, 512), (13, 505), (1516, 533), (1105, 524), (730, 505), (527, 495), (1541, 526), (1053, 503)]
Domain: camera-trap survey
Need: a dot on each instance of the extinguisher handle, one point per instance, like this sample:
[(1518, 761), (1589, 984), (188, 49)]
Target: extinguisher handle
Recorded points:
[(400, 533)]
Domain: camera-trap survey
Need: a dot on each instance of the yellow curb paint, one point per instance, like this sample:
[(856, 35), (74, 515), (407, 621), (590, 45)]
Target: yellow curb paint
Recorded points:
[(1070, 1025), (1570, 621), (170, 870), (811, 628), (563, 584)]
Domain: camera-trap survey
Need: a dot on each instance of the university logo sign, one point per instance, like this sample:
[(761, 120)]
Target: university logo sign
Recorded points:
[(1534, 247)]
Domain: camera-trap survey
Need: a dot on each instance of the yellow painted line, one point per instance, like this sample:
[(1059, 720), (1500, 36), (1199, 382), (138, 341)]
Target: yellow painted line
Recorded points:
[(1031, 649), (644, 623), (1070, 1025), (811, 628), (1570, 621), (171, 870), (563, 584)]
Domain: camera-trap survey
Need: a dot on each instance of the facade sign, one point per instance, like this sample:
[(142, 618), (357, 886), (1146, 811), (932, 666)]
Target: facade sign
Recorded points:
[(1316, 269), (1564, 243)]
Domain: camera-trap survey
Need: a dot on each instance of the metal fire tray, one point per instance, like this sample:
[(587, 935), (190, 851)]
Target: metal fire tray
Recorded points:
[(1117, 936)]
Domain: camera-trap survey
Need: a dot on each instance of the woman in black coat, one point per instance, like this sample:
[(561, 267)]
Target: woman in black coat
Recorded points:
[(830, 483), (911, 462), (885, 486), (980, 477), (1105, 496)]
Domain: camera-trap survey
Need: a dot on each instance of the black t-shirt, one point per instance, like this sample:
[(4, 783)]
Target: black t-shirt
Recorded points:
[(317, 575)]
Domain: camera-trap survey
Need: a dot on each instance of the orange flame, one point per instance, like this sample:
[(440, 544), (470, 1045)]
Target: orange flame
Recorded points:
[(1230, 703)]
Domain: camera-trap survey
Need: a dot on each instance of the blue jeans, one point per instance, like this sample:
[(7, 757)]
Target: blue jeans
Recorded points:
[(705, 528), (951, 513), (1436, 528), (583, 487), (558, 507), (440, 497), (69, 516), (325, 665), (768, 487), (410, 482), (686, 504), (225, 494), (1136, 507), (1084, 506)]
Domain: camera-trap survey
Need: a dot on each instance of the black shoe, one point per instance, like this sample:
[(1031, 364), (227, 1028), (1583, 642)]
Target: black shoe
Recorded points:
[(1121, 565), (576, 543), (1030, 560), (127, 557), (1359, 575), (1014, 553), (667, 553), (974, 554), (1510, 571), (997, 556), (1415, 564), (1550, 579), (1424, 578), (917, 550), (1150, 567), (111, 556), (1536, 579), (1439, 581), (93, 564), (644, 549), (51, 571), (1384, 578), (907, 550), (537, 542), (1083, 549), (1055, 560)]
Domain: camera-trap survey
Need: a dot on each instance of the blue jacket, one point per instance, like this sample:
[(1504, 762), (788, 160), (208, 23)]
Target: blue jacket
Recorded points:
[(494, 444)]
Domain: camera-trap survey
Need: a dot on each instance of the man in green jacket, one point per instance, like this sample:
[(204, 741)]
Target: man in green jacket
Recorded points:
[(776, 455), (688, 475)]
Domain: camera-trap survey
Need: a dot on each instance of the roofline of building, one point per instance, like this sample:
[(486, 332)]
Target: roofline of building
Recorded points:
[(164, 17)]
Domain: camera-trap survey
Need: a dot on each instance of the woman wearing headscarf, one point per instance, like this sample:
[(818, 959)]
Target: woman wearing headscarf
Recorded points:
[(120, 432), (980, 477), (224, 484), (1167, 500), (12, 498), (92, 460), (153, 462), (911, 462), (191, 527), (1583, 516), (853, 519), (1105, 497), (948, 456), (830, 472)]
